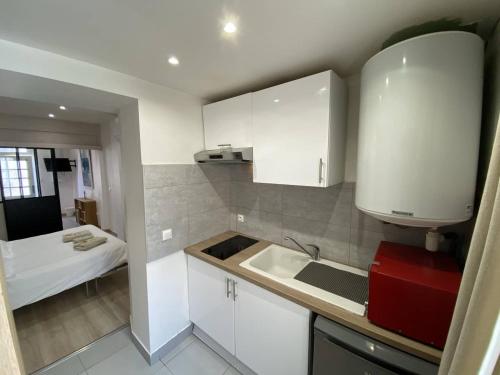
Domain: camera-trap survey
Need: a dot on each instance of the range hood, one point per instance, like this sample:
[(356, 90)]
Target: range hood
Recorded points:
[(225, 155)]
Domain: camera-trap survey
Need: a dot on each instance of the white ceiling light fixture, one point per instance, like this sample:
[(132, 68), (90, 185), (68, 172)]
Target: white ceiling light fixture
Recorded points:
[(230, 27), (172, 60), (276, 100), (62, 107), (51, 115)]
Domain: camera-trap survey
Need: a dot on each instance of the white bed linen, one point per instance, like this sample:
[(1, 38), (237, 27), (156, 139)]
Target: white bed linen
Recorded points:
[(41, 266)]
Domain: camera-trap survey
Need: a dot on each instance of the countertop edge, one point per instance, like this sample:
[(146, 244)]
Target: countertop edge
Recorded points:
[(357, 323)]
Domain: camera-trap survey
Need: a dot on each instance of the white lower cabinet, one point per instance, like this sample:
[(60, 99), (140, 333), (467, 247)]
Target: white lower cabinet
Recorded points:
[(266, 332), (210, 306), (271, 332)]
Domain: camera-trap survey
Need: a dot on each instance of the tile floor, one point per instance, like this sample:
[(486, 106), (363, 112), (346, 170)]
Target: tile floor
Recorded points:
[(116, 354)]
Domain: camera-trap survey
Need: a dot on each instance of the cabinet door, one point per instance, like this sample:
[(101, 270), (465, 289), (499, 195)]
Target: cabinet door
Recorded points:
[(272, 333), (210, 307), (228, 122), (291, 130)]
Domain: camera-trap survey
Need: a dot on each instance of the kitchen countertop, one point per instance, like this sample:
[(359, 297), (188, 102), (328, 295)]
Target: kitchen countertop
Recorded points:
[(356, 322)]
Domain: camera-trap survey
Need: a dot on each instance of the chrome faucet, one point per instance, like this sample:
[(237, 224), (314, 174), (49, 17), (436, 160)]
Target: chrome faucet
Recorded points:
[(315, 249)]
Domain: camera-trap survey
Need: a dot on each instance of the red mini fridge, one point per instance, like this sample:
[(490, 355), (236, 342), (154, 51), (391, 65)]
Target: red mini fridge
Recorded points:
[(413, 291)]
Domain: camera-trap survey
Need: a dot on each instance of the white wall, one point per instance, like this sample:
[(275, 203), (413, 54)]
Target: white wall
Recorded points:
[(131, 180), (171, 314), (66, 181), (170, 131), (170, 121), (98, 190), (111, 148), (38, 132)]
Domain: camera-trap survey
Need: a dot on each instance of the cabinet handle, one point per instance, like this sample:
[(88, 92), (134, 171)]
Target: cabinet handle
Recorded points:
[(228, 291), (320, 178), (234, 290)]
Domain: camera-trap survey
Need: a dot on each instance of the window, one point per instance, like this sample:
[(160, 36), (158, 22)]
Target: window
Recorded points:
[(19, 173)]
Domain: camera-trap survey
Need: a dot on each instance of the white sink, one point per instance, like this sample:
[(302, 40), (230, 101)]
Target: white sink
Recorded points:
[(279, 261), (281, 264)]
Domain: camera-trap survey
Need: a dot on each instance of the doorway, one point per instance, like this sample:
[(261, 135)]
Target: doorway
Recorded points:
[(30, 194)]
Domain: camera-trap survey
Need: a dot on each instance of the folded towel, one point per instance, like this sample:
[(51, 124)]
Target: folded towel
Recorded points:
[(89, 244), (83, 237), (72, 236)]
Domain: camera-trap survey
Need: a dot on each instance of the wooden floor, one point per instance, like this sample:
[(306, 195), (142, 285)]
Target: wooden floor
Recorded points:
[(59, 325)]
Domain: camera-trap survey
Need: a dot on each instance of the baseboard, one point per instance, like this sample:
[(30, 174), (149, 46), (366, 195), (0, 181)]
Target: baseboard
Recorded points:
[(140, 346), (228, 357), (163, 350)]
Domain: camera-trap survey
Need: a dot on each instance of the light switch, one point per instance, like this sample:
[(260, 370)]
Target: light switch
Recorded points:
[(166, 234), (241, 218)]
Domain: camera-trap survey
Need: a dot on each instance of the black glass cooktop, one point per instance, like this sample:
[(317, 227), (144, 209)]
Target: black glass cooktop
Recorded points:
[(229, 247)]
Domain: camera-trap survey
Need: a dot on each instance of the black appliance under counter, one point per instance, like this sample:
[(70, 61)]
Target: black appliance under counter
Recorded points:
[(229, 247)]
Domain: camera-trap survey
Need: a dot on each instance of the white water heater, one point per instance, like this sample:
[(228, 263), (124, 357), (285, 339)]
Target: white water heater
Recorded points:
[(419, 127)]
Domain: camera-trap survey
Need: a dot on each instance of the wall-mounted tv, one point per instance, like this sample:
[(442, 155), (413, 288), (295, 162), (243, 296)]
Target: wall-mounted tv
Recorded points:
[(57, 164)]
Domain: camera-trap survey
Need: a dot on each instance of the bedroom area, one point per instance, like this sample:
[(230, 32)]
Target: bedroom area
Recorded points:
[(62, 243)]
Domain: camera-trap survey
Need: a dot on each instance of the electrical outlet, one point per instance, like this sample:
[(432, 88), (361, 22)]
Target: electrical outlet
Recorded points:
[(166, 234), (241, 218)]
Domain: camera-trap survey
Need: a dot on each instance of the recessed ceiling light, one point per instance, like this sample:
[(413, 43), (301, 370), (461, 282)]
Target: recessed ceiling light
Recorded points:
[(51, 115), (62, 108), (173, 60), (276, 100), (230, 27)]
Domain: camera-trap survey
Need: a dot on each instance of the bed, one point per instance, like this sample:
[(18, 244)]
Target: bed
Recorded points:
[(39, 267)]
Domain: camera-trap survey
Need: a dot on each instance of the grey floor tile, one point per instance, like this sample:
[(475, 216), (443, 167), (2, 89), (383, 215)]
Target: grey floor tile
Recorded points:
[(184, 344), (197, 359), (163, 371), (70, 366), (105, 348), (232, 371), (127, 361)]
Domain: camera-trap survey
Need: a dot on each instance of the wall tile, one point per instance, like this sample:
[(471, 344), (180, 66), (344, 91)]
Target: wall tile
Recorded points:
[(201, 173), (165, 175), (363, 245), (260, 224), (165, 203), (270, 197), (326, 205), (207, 196), (244, 194), (263, 197), (156, 247), (362, 221), (200, 201), (208, 224), (241, 172), (333, 240)]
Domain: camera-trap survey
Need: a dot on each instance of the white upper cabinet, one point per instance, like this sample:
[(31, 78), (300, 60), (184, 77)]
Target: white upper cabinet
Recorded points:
[(228, 123), (298, 131)]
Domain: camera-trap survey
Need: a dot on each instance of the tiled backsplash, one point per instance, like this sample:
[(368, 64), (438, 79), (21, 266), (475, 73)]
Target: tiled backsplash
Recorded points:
[(326, 217), (192, 200), (199, 201)]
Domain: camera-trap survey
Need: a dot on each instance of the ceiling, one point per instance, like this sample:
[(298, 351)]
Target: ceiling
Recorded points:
[(27, 95), (21, 107), (276, 39)]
